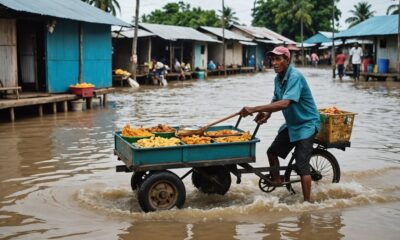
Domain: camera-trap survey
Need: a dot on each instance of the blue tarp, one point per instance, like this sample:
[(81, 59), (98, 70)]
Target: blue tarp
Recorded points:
[(67, 9), (375, 26)]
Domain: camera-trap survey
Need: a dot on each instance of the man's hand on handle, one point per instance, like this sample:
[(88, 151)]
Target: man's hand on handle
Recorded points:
[(262, 117), (246, 111)]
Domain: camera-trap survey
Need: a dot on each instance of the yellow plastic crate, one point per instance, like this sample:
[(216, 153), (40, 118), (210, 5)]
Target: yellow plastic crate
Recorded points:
[(335, 128)]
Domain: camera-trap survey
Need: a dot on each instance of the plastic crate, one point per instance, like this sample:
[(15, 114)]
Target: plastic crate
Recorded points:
[(83, 92), (336, 128)]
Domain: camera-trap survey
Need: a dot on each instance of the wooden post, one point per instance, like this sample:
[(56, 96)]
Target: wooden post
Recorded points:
[(54, 107), (134, 56), (104, 99), (40, 110), (12, 115), (65, 106), (89, 102)]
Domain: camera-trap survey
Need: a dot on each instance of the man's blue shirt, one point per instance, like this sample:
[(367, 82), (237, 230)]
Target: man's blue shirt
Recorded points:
[(302, 116)]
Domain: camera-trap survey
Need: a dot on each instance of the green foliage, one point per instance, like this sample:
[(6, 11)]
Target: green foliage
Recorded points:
[(181, 14), (285, 16), (393, 9), (229, 16), (361, 12), (106, 5)]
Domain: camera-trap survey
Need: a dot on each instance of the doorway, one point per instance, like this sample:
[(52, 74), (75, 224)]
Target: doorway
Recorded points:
[(31, 55)]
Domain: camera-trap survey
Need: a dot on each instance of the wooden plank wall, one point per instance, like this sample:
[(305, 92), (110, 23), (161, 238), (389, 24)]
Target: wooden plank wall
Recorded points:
[(8, 52)]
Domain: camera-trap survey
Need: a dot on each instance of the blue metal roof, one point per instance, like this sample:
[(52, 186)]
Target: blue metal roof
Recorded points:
[(375, 26), (68, 9), (320, 37)]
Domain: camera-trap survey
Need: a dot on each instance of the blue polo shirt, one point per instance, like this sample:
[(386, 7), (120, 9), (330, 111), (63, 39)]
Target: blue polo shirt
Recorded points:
[(302, 116)]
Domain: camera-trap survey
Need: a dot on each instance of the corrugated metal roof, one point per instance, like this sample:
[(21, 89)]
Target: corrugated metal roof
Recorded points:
[(248, 43), (269, 41), (173, 33), (262, 32), (319, 37), (228, 34), (68, 9), (375, 26), (129, 33)]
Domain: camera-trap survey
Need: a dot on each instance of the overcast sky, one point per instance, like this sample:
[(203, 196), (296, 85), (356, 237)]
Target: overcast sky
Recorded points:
[(241, 7)]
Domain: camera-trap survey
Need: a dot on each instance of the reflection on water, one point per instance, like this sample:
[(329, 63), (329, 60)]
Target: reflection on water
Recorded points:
[(57, 176)]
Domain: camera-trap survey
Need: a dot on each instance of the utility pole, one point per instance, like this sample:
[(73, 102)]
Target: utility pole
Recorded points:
[(223, 38), (302, 46), (333, 58), (134, 57), (80, 76), (398, 40)]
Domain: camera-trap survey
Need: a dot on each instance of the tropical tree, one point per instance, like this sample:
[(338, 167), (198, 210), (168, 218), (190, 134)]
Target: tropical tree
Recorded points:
[(393, 9), (361, 12), (296, 11), (106, 5), (229, 16), (266, 12), (181, 14)]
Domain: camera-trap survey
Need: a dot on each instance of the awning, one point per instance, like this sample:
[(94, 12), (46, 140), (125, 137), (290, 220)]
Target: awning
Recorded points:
[(248, 43), (269, 41)]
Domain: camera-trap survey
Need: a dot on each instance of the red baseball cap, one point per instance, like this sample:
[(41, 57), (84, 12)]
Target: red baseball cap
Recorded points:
[(280, 51)]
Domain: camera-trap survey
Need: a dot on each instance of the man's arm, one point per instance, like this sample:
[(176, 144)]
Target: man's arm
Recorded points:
[(269, 108)]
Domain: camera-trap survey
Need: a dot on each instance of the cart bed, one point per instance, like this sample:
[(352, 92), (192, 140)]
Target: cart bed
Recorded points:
[(185, 155)]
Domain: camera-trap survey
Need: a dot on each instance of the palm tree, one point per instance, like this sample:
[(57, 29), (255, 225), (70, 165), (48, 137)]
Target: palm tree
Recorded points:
[(229, 16), (299, 10), (393, 9), (106, 5), (361, 12)]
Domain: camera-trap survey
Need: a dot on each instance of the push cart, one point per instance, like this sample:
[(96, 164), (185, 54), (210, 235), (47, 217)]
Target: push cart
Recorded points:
[(210, 166)]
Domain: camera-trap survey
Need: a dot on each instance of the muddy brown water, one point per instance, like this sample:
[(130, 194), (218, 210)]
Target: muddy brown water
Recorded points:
[(58, 179)]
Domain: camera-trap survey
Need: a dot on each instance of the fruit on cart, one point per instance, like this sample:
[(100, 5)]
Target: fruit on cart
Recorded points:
[(222, 132), (330, 110), (196, 139), (129, 131), (82, 85), (242, 138), (157, 142), (161, 128)]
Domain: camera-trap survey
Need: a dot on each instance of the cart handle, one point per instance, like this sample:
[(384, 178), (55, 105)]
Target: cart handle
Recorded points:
[(255, 130)]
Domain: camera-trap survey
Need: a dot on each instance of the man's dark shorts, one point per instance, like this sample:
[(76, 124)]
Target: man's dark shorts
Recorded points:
[(303, 148)]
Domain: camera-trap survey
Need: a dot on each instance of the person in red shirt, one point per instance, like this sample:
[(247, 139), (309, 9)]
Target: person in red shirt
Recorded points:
[(340, 58)]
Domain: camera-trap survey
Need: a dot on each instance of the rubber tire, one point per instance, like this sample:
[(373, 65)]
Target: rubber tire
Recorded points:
[(205, 185), (137, 179), (161, 177), (316, 153)]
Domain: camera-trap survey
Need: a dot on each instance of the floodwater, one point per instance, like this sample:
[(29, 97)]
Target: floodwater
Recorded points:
[(58, 179)]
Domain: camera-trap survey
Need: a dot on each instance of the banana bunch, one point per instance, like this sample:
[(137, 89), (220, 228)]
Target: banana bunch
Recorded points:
[(157, 142), (122, 72), (242, 138), (82, 85)]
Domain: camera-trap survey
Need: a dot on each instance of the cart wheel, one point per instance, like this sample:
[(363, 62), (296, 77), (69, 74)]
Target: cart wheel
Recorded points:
[(137, 179), (265, 186), (161, 190), (324, 169), (214, 179)]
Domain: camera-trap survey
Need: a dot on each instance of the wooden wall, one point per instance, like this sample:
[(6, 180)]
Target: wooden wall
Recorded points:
[(8, 52)]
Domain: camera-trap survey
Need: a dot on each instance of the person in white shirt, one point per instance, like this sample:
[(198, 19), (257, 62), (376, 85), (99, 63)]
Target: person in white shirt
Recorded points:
[(356, 54)]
